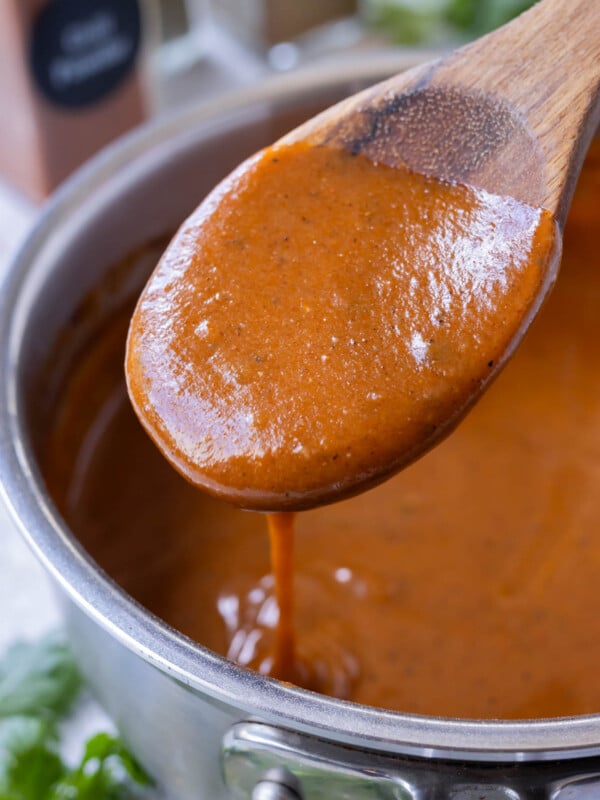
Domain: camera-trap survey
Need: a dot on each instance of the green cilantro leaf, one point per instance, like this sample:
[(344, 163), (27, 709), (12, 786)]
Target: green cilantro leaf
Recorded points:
[(478, 18), (406, 21), (38, 684), (104, 747), (107, 771), (39, 678), (29, 759)]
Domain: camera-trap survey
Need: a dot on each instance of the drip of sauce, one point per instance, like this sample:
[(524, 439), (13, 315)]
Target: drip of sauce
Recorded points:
[(281, 537), (320, 321)]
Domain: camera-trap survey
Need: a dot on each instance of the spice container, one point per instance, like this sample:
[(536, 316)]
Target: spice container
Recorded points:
[(70, 82)]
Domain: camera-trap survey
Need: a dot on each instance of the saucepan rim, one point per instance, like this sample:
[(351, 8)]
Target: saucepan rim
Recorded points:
[(134, 626)]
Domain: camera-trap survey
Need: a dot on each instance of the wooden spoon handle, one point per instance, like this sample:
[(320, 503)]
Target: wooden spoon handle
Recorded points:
[(484, 115), (562, 39)]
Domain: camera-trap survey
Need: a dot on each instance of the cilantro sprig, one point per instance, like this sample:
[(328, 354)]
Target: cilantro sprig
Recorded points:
[(435, 22), (39, 684)]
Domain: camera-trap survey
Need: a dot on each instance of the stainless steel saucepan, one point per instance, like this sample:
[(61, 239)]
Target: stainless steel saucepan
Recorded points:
[(206, 728)]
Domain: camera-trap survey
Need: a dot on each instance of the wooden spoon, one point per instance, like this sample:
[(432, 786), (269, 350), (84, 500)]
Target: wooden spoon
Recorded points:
[(232, 362), (512, 113)]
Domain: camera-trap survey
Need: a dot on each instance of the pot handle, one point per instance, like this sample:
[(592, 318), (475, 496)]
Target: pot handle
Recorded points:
[(278, 783), (263, 762)]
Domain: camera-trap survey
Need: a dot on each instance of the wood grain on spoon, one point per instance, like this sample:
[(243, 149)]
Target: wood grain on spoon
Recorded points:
[(513, 112), (334, 307)]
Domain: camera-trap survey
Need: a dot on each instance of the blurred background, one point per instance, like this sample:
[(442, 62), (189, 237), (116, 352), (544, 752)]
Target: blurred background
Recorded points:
[(74, 74)]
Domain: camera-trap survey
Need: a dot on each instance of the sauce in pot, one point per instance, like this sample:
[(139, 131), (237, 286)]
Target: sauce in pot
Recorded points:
[(465, 586)]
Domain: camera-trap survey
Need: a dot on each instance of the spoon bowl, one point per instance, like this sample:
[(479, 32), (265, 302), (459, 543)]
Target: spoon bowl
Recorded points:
[(336, 305)]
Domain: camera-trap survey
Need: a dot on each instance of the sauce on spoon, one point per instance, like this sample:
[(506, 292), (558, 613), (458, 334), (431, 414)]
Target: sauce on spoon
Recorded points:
[(321, 320)]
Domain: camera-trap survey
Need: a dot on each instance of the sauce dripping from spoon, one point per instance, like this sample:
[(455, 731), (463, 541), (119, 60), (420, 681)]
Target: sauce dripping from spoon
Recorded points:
[(281, 536), (428, 288), (363, 355)]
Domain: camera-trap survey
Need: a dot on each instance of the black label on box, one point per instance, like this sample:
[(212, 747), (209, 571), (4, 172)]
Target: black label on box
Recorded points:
[(81, 50)]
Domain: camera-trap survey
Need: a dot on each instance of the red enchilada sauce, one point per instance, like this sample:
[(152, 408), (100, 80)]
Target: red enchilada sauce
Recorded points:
[(281, 542), (321, 320), (465, 586), (317, 324)]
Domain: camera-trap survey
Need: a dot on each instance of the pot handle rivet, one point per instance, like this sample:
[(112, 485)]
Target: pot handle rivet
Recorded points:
[(278, 783)]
